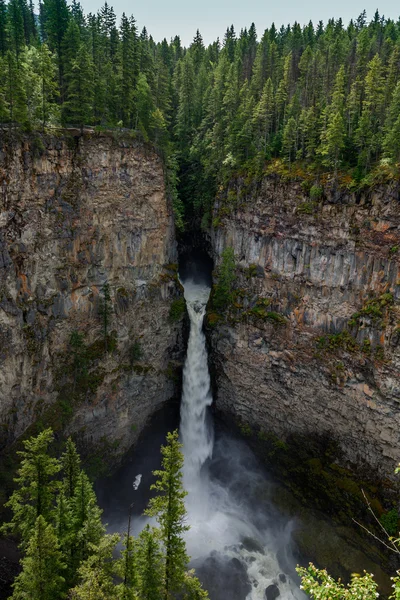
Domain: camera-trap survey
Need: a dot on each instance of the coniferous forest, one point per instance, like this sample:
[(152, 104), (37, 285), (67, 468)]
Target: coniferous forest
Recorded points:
[(325, 96)]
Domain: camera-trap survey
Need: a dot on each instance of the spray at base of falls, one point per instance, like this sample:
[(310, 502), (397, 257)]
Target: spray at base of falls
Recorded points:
[(236, 538)]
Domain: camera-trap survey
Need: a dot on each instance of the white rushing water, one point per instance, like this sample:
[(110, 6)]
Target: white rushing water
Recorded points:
[(236, 535)]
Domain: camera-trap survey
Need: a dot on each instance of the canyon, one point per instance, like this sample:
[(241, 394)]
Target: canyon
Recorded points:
[(308, 357)]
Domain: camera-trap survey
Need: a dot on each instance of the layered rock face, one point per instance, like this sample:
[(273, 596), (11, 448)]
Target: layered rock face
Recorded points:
[(78, 213), (311, 346)]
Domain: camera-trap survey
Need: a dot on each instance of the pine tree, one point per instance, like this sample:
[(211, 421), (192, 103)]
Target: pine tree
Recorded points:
[(16, 25), (4, 41), (105, 312), (79, 357), (70, 468), (55, 16), (144, 106), (86, 519), (263, 119), (169, 509), (150, 565), (96, 572), (369, 131), (391, 142), (77, 109), (289, 140), (333, 140), (36, 486), (42, 567), (193, 588), (127, 569)]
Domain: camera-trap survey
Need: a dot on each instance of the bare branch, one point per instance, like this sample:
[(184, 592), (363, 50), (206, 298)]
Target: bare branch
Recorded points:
[(392, 547)]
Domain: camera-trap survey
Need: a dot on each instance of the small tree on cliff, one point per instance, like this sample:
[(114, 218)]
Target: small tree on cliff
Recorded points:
[(105, 311), (222, 296)]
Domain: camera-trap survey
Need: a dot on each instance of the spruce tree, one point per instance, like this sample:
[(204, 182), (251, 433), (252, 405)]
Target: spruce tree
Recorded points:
[(86, 519), (4, 41), (150, 562), (96, 572), (77, 109), (42, 567), (169, 509), (70, 468), (36, 487)]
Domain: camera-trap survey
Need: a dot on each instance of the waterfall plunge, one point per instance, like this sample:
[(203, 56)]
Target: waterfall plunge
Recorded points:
[(196, 429), (225, 523)]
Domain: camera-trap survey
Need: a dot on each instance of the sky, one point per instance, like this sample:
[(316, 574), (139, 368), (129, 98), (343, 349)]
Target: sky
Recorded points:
[(167, 18)]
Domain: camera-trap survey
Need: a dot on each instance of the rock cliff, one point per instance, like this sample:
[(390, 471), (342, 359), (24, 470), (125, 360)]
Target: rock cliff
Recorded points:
[(310, 349), (77, 213)]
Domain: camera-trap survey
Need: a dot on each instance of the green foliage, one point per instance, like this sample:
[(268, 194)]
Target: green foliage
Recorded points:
[(135, 352), (316, 192), (36, 487), (66, 551), (96, 572), (169, 509), (390, 521), (105, 312), (319, 585), (374, 309), (150, 565), (42, 567), (226, 275), (177, 310)]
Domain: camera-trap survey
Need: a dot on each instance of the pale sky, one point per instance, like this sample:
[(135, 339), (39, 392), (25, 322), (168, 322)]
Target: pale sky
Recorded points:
[(167, 18)]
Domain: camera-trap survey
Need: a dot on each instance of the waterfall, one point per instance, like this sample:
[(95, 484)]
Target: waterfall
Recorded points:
[(234, 545), (196, 428)]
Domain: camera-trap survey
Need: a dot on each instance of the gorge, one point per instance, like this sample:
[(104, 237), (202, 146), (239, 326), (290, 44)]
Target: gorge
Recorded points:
[(301, 365)]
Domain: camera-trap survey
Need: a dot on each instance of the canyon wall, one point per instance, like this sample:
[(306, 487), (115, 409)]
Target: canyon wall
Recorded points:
[(77, 213), (309, 351)]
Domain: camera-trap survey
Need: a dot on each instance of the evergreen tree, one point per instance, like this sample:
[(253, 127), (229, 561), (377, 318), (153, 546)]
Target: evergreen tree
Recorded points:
[(105, 311), (391, 142), (16, 25), (169, 509), (36, 487), (70, 468), (222, 293), (333, 140), (42, 567), (96, 572), (55, 16), (127, 570), (289, 140), (150, 564), (3, 29), (86, 520), (77, 109)]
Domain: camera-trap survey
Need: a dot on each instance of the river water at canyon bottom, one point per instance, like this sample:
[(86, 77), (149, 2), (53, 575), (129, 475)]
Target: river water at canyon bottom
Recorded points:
[(240, 543)]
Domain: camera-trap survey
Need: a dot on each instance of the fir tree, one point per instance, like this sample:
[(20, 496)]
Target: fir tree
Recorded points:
[(96, 572), (36, 487), (150, 564), (105, 311), (169, 509), (42, 567), (70, 468)]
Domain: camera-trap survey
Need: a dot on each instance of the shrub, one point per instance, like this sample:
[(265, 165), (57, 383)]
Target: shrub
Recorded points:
[(223, 290), (177, 310), (316, 192), (390, 522)]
